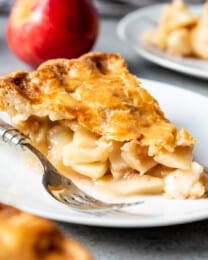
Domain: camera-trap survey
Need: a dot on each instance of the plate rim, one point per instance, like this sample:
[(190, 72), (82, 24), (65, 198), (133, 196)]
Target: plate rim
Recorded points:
[(152, 57), (96, 222)]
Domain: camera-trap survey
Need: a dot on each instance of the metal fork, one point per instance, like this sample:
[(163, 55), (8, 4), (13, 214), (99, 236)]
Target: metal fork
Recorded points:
[(60, 187)]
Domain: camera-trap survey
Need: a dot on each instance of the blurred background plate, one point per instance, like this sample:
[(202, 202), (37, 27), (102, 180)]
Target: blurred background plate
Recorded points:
[(131, 28), (115, 8)]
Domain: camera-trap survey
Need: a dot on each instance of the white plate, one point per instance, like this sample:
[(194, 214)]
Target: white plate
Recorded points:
[(131, 28), (20, 184)]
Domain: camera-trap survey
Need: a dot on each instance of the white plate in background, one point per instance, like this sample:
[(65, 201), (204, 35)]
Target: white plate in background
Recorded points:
[(131, 29), (20, 184)]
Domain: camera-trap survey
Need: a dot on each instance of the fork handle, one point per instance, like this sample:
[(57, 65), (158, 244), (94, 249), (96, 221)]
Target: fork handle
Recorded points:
[(11, 135)]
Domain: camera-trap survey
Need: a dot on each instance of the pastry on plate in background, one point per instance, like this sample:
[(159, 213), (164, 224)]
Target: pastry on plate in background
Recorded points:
[(180, 32), (28, 237)]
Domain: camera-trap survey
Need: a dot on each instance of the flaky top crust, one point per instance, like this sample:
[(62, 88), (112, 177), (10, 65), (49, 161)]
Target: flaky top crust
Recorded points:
[(97, 91)]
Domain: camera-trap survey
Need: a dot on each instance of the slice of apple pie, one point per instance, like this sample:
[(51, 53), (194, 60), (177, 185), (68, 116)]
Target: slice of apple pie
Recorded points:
[(96, 123)]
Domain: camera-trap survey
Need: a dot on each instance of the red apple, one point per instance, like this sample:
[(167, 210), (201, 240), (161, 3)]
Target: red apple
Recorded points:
[(39, 30)]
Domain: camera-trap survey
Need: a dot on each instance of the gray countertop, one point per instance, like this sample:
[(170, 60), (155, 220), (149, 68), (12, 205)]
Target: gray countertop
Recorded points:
[(187, 241)]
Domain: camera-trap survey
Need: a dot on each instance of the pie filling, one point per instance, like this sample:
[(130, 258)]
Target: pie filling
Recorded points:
[(124, 168)]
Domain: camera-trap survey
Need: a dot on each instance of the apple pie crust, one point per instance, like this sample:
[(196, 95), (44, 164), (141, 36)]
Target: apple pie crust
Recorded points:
[(95, 122), (28, 237)]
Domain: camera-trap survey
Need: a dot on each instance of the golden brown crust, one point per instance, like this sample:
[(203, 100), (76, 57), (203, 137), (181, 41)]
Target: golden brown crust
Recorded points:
[(27, 237), (96, 90)]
